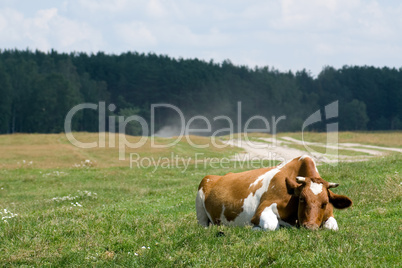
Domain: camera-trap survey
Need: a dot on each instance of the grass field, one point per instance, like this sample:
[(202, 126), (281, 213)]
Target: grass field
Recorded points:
[(55, 151), (107, 214)]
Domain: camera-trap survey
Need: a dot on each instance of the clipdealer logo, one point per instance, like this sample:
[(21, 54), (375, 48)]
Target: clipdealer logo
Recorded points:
[(331, 146), (189, 127)]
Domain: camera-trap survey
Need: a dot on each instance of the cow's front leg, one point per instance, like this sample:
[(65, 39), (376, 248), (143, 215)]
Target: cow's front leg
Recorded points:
[(331, 224), (268, 219)]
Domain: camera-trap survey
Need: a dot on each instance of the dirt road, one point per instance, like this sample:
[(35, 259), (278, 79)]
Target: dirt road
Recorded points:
[(286, 148)]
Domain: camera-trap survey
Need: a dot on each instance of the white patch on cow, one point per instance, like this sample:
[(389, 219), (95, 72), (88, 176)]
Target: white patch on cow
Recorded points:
[(316, 188), (269, 219), (252, 201), (260, 178), (202, 214), (331, 224)]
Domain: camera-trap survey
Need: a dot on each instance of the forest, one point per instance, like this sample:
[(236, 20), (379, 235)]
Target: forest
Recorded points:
[(38, 89)]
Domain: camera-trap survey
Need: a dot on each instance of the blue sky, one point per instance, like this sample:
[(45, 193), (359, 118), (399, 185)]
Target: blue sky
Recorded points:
[(284, 34)]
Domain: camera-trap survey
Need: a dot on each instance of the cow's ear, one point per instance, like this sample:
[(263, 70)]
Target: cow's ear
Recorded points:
[(339, 201), (292, 186)]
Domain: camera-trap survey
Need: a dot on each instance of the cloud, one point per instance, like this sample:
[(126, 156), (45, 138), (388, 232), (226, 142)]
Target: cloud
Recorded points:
[(136, 35), (156, 9), (103, 5), (8, 20), (46, 30), (286, 34)]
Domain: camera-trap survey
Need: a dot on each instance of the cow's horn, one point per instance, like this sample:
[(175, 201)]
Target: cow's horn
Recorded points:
[(333, 185), (300, 179)]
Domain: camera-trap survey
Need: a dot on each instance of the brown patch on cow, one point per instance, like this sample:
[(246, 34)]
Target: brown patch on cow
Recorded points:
[(308, 168), (231, 213), (304, 167), (229, 191)]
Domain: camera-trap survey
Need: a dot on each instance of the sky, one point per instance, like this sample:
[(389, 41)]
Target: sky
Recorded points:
[(281, 34)]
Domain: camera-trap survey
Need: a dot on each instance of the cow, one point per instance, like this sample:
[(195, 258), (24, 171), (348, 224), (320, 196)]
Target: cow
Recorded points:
[(290, 194)]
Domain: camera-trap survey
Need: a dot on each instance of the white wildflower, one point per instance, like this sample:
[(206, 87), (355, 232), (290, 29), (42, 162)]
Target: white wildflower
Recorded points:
[(85, 164), (6, 214), (81, 194), (55, 173)]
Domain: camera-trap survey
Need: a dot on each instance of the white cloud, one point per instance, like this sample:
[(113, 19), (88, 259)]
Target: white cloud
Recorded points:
[(136, 35), (316, 15), (46, 30), (10, 24), (156, 9), (286, 34), (103, 5)]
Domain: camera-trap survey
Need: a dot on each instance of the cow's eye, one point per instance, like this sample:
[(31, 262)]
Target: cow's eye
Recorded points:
[(302, 200), (324, 205)]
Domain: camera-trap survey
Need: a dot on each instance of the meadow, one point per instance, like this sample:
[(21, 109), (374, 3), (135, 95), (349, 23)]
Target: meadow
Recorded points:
[(58, 209)]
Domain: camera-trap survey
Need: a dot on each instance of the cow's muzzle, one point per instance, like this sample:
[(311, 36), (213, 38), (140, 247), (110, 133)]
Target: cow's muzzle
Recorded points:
[(310, 226)]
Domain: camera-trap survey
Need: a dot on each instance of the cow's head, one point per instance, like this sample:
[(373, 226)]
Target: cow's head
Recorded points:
[(316, 201)]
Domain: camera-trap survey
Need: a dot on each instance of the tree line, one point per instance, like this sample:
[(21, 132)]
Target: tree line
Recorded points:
[(38, 89)]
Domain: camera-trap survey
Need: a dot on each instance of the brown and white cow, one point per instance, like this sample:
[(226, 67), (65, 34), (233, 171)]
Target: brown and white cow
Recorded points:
[(290, 194)]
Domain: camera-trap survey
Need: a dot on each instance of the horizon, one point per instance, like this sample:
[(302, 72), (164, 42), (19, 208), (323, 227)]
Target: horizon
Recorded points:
[(219, 63)]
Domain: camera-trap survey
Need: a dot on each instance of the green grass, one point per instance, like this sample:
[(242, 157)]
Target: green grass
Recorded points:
[(135, 208)]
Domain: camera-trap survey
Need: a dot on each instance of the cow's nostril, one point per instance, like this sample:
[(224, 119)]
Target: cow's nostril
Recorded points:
[(310, 226)]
